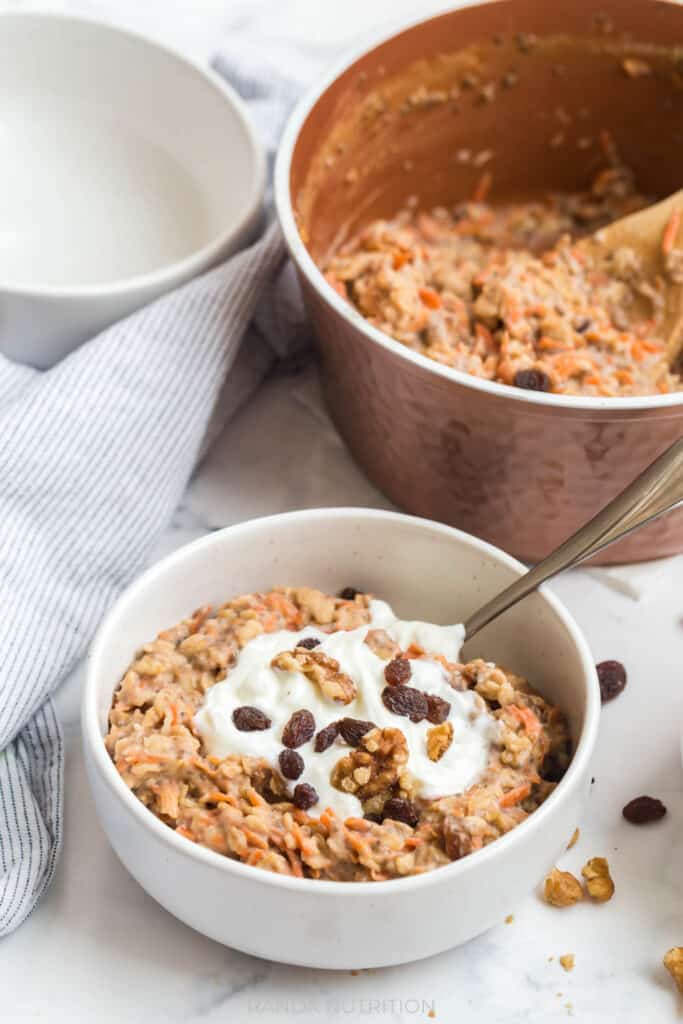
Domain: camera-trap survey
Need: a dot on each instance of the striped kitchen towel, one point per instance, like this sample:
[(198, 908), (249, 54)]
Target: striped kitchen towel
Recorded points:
[(94, 457)]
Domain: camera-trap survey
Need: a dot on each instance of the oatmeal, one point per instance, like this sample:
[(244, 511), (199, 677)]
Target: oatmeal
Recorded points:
[(322, 737), (505, 293)]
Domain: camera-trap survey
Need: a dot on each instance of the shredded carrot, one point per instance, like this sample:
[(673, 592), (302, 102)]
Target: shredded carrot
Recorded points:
[(638, 350), (297, 869), (358, 824), (550, 344), (400, 258), (255, 839), (284, 607), (515, 796), (415, 651), (525, 717), (254, 798), (483, 187), (671, 232), (430, 298)]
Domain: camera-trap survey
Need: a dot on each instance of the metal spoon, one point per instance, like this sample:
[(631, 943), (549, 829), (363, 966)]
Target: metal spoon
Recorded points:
[(654, 492)]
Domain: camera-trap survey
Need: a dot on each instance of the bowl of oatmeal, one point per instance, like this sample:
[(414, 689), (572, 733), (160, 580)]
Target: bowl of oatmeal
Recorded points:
[(483, 368), (293, 751)]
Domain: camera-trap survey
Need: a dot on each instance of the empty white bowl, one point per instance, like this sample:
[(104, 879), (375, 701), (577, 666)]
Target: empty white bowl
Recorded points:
[(426, 571), (125, 169)]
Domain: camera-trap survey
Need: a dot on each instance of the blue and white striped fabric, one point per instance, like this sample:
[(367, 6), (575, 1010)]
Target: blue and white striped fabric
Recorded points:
[(94, 457)]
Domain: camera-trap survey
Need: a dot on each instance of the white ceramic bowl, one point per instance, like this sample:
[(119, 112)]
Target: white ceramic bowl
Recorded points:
[(425, 570), (125, 169)]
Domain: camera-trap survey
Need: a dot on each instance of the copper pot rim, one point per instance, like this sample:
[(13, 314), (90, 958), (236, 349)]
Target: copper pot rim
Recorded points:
[(599, 407)]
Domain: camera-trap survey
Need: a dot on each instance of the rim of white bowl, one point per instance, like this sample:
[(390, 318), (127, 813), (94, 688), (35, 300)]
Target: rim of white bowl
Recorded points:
[(199, 259), (316, 279), (94, 738)]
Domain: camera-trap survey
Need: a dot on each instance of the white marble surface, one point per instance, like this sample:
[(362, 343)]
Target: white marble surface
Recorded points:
[(97, 948)]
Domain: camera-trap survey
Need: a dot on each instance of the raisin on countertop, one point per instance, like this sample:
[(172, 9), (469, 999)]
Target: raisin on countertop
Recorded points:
[(644, 809), (612, 679)]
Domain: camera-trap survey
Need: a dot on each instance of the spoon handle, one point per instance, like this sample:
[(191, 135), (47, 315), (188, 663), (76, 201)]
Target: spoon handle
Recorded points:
[(658, 489)]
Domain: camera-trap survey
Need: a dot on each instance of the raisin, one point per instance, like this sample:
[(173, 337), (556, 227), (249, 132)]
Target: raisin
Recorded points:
[(612, 679), (644, 809), (438, 709), (376, 818), (326, 737), (553, 768), (407, 701), (298, 729), (398, 672), (348, 593), (291, 764), (304, 796), (248, 719), (308, 642), (532, 380), (582, 325), (352, 730), (401, 810)]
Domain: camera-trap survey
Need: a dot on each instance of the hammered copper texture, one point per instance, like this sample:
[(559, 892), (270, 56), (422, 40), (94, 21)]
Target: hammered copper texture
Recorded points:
[(521, 475)]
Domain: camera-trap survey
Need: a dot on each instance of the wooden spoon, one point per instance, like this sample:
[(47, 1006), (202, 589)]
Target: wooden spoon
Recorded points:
[(652, 233)]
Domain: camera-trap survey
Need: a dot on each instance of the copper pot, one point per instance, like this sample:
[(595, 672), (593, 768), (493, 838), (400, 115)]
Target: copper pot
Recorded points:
[(522, 470)]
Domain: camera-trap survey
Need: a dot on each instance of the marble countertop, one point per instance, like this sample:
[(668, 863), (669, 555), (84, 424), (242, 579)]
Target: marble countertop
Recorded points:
[(98, 948)]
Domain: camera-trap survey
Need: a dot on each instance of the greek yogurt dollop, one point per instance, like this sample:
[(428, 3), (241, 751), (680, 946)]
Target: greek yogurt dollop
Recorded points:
[(252, 681)]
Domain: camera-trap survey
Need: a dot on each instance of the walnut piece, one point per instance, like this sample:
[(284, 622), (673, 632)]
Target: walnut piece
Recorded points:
[(321, 670), (562, 889), (673, 961), (439, 739), (491, 682), (375, 768), (381, 644), (567, 961), (598, 880), (319, 606)]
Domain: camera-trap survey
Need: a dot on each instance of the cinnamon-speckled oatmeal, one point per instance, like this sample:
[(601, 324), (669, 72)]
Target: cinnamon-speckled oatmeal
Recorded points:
[(504, 292), (322, 737)]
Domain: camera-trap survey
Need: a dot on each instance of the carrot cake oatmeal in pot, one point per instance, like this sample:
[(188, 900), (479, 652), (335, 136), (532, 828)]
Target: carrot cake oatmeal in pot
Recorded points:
[(504, 292), (322, 737)]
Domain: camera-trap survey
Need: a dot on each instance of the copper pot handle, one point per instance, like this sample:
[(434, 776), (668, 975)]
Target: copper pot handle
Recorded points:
[(657, 490)]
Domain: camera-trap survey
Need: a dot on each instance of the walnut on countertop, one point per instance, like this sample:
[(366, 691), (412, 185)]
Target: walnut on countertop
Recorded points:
[(562, 889)]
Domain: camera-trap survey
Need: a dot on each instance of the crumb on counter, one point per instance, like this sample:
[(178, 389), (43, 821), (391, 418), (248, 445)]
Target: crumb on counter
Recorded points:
[(574, 839), (673, 961), (567, 961)]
